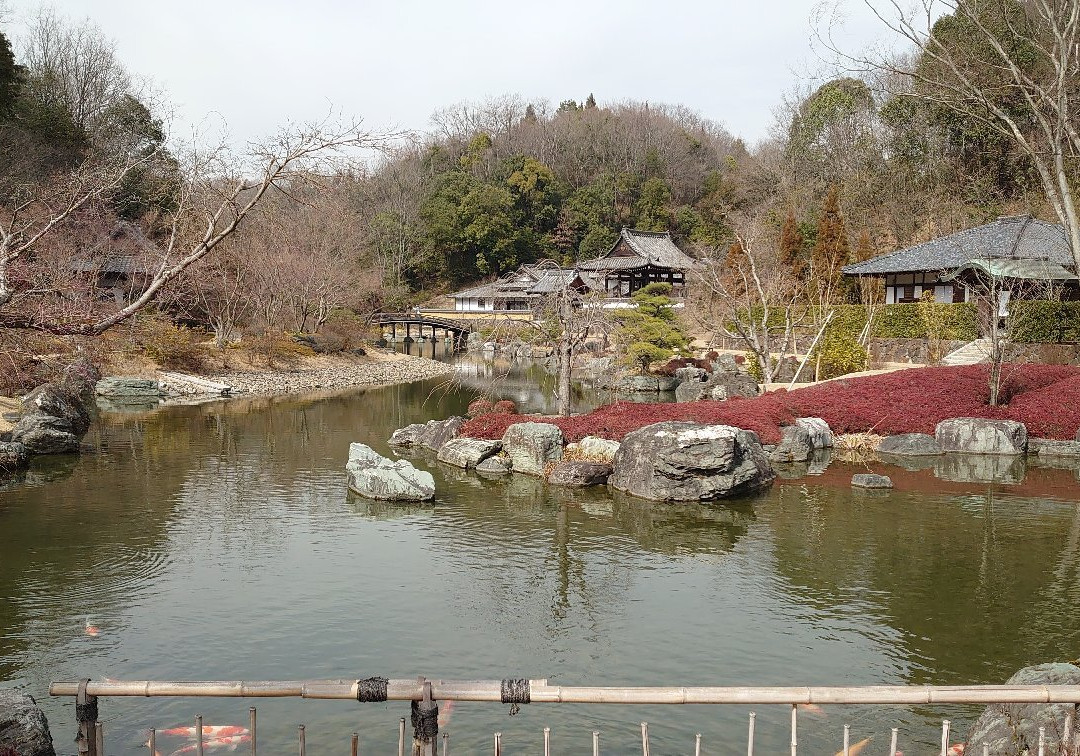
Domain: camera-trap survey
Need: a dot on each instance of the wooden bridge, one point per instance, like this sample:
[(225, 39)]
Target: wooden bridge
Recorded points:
[(451, 328)]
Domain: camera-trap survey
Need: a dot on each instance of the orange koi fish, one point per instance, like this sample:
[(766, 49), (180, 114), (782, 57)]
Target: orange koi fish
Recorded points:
[(857, 748), (956, 749), (444, 713), (90, 629), (208, 731), (812, 708), (232, 743)]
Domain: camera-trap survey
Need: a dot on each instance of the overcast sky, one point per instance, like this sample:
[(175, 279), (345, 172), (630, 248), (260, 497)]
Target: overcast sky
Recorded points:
[(260, 63)]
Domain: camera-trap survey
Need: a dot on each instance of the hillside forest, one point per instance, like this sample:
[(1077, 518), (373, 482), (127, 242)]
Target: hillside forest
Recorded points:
[(284, 238)]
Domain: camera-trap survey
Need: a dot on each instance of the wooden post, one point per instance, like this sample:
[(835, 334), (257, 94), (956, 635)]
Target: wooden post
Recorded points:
[(547, 742), (1042, 741), (445, 744), (498, 744), (847, 740), (251, 728), (86, 712), (99, 738), (354, 745), (151, 743), (697, 745), (944, 737), (750, 736), (401, 737), (302, 740), (198, 735), (892, 743), (596, 743), (644, 739)]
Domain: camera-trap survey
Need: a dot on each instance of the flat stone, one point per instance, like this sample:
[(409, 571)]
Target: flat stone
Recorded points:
[(794, 446), (467, 452), (377, 477), (1005, 728), (910, 445), (496, 465), (635, 384), (821, 435), (975, 435), (120, 386), (24, 731), (869, 480), (13, 456), (1046, 447), (685, 461), (430, 435), (532, 446), (580, 474)]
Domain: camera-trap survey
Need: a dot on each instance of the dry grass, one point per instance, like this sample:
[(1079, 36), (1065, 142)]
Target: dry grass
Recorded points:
[(856, 447)]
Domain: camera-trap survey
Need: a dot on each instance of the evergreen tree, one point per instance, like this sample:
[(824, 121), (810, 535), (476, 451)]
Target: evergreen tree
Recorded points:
[(793, 246), (650, 332), (832, 250), (9, 78), (590, 102)]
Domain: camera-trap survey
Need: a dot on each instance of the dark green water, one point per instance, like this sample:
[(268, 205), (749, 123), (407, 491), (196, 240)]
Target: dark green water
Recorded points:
[(219, 542)]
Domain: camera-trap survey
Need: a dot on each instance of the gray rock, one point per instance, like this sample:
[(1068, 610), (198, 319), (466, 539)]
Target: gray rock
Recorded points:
[(684, 461), (666, 383), (496, 465), (637, 384), (794, 446), (430, 435), (46, 434), (718, 385), (376, 477), (13, 456), (50, 399), (467, 452), (1046, 447), (910, 445), (596, 449), (821, 435), (474, 341), (580, 474), (1014, 728), (531, 446), (119, 386), (975, 435), (869, 480), (725, 363), (24, 731)]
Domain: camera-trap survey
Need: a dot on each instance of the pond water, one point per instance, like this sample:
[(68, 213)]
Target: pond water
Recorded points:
[(219, 542)]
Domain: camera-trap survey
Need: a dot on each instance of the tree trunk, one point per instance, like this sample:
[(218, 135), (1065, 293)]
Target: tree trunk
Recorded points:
[(563, 389)]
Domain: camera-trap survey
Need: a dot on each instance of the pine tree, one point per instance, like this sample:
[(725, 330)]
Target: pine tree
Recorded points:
[(9, 77), (590, 102), (832, 250)]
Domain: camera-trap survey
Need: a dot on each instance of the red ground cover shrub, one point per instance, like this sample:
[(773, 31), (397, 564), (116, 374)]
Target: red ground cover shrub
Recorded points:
[(505, 406), (1046, 398)]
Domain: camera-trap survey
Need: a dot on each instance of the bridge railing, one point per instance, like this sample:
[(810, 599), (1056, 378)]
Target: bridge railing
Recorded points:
[(424, 696)]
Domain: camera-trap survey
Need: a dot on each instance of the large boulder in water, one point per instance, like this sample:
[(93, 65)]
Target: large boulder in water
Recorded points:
[(46, 434), (13, 456), (1014, 728), (430, 435), (23, 728), (123, 387), (580, 474), (910, 445), (50, 399), (467, 452), (376, 477), (821, 435), (531, 446), (976, 435), (685, 461), (795, 445)]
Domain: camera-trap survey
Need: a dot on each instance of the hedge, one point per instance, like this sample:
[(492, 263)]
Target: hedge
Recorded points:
[(1037, 321)]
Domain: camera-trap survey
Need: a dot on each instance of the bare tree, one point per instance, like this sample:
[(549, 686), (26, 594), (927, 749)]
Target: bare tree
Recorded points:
[(747, 295), (1009, 53)]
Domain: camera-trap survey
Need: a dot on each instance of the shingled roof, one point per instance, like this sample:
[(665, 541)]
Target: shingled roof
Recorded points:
[(651, 247), (1018, 237)]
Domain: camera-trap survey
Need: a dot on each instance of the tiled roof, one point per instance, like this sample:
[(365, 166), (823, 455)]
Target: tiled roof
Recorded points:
[(652, 247), (1013, 237), (537, 281)]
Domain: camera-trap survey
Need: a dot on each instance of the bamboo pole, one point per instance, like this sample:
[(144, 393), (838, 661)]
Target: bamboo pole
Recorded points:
[(354, 744), (750, 737), (198, 735), (99, 738), (541, 692), (1042, 741), (300, 736), (847, 740), (794, 729), (445, 744), (986, 749), (252, 728), (1067, 738), (697, 744), (498, 744), (944, 737), (151, 743), (892, 742), (644, 739), (547, 741), (596, 743), (401, 737)]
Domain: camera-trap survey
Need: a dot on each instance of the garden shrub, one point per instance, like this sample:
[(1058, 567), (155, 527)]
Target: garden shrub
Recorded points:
[(1037, 321), (170, 346)]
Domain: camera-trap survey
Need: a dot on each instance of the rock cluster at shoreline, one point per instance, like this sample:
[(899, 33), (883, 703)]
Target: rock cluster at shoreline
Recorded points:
[(334, 375)]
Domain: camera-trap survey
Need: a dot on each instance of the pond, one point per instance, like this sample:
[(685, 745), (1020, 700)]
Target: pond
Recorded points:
[(218, 541)]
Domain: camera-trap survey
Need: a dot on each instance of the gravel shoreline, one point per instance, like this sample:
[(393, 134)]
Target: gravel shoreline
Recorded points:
[(339, 372)]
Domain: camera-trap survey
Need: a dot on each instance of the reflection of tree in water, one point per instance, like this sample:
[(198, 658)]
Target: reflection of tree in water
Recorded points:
[(956, 575)]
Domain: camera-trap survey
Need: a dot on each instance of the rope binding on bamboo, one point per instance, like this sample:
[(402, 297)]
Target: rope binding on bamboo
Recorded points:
[(371, 690), (86, 706), (425, 716), (515, 691)]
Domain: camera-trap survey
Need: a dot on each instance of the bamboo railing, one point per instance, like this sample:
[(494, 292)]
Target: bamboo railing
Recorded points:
[(426, 693)]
